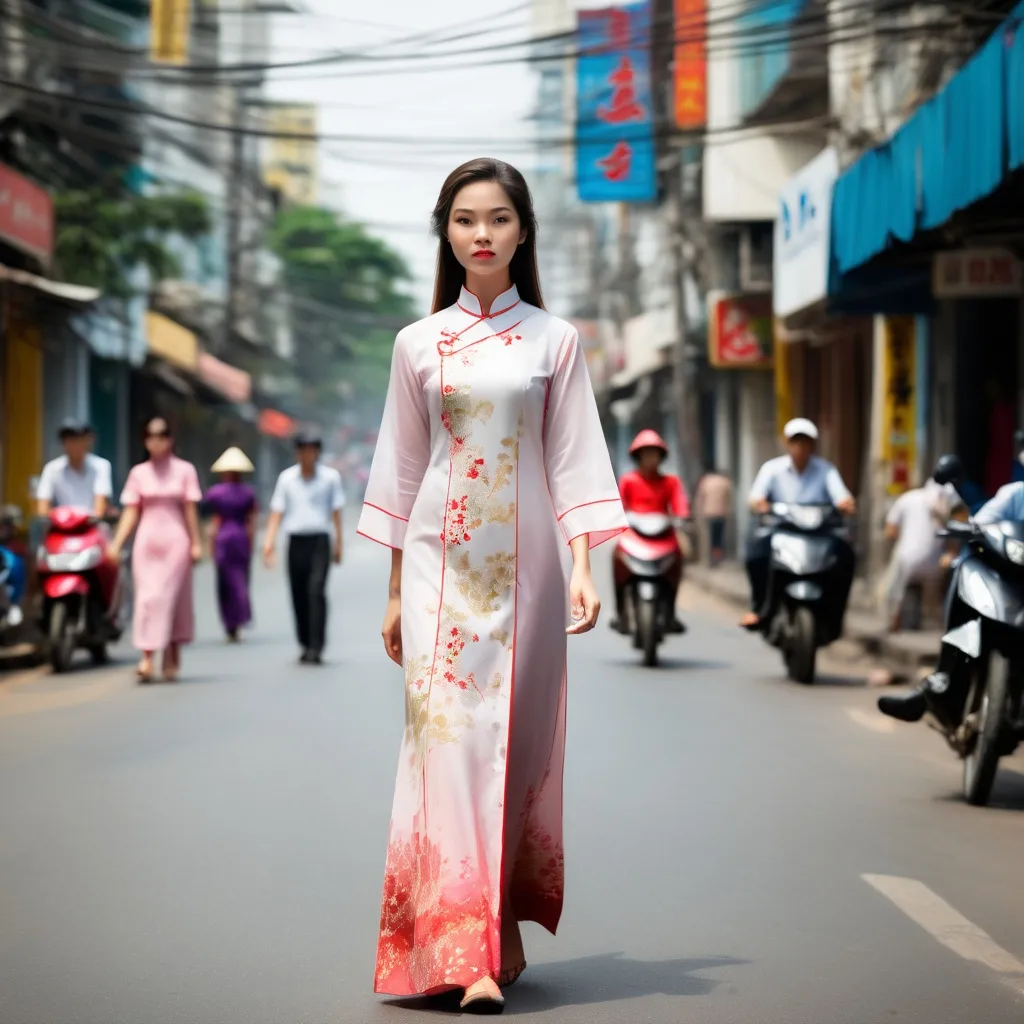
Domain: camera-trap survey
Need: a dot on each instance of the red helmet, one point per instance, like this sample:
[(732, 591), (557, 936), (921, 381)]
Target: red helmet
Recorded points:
[(648, 439)]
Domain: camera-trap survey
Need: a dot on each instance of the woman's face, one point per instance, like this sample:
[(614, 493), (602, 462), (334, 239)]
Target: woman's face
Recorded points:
[(484, 229), (158, 437)]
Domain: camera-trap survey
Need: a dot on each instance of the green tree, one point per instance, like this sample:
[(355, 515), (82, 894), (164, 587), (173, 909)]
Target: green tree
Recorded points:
[(347, 303), (104, 233)]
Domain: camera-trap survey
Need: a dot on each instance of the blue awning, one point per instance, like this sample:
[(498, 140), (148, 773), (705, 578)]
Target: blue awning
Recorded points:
[(954, 150)]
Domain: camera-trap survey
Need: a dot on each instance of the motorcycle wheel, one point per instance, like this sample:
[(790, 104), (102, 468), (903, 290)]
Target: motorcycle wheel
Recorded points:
[(61, 638), (989, 696), (801, 651), (647, 631)]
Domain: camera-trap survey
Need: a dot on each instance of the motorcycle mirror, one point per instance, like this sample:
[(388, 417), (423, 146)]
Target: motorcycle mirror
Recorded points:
[(948, 470)]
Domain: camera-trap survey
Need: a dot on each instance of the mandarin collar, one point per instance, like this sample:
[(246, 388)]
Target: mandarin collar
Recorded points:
[(470, 304)]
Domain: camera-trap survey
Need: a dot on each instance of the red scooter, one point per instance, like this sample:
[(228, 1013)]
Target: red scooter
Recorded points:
[(82, 589), (648, 565)]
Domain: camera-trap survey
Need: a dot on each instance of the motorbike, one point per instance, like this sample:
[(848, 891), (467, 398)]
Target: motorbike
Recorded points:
[(12, 578), (980, 705), (803, 613), (82, 590), (648, 563)]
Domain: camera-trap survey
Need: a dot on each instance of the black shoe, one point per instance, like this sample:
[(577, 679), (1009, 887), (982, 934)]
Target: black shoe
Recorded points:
[(315, 658), (909, 707), (304, 657), (676, 626), (618, 624)]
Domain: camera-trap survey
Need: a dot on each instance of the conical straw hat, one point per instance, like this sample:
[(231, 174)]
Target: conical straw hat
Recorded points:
[(234, 460)]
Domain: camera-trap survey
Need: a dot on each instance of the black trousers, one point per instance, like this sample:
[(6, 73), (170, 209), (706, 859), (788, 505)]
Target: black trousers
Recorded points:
[(309, 559)]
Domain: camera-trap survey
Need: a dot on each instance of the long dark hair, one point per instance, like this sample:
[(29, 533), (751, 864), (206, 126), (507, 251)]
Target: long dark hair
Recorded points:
[(451, 275)]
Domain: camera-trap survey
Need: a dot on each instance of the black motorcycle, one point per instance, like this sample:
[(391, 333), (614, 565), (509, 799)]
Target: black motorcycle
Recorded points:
[(977, 696), (808, 582)]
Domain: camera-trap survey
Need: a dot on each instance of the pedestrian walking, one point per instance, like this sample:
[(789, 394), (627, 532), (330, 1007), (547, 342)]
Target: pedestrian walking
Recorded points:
[(714, 500), (490, 454), (160, 501), (233, 506), (912, 523), (307, 504)]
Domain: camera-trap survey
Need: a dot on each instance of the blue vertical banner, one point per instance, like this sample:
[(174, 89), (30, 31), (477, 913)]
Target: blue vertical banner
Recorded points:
[(615, 152)]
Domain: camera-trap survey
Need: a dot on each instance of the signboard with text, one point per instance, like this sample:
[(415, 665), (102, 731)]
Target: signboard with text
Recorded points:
[(977, 274), (26, 215), (691, 63), (741, 331), (899, 426), (615, 155)]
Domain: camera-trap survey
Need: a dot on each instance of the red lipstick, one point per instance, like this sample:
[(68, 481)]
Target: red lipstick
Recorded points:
[(483, 254)]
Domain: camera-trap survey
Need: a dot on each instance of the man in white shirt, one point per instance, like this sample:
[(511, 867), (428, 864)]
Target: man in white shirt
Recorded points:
[(76, 479), (912, 522), (799, 478), (307, 502)]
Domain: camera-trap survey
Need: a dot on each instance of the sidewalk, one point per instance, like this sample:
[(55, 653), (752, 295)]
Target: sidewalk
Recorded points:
[(905, 654)]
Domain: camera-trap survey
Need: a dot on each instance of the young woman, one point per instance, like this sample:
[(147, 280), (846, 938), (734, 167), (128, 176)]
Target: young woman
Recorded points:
[(490, 453), (233, 505), (160, 498)]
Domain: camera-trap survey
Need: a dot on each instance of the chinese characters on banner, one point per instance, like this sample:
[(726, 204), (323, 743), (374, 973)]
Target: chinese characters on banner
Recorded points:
[(691, 63), (614, 117), (900, 423), (741, 331)]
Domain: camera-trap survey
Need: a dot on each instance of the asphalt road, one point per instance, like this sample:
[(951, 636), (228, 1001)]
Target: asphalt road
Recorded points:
[(740, 850)]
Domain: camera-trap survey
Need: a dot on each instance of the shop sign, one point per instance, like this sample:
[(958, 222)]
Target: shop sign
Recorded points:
[(26, 215), (168, 340), (276, 424), (977, 274), (691, 63), (899, 425), (802, 229), (741, 331)]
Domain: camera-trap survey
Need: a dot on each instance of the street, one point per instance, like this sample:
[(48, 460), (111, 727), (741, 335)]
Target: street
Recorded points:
[(740, 850)]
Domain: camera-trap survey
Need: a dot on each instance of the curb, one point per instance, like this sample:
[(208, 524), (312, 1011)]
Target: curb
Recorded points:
[(899, 656)]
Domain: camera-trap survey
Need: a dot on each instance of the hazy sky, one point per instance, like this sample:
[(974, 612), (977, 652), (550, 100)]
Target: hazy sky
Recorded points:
[(473, 111)]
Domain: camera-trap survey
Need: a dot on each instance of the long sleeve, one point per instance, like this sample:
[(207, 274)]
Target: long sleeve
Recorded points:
[(579, 471), (679, 499), (401, 456)]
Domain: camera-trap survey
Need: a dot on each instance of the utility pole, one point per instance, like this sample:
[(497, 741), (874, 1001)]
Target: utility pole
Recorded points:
[(235, 200)]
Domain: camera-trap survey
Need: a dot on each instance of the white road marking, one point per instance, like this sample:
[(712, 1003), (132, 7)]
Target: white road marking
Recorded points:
[(875, 722), (949, 927)]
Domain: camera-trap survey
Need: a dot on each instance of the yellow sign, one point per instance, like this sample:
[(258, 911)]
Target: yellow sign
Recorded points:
[(170, 341), (290, 162), (170, 26), (899, 424), (784, 355)]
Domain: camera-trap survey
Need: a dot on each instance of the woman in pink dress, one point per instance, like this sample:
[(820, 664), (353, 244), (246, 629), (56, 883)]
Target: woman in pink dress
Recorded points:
[(490, 456), (160, 498)]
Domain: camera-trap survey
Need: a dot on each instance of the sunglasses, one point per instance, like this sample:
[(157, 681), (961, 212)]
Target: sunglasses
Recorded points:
[(158, 433)]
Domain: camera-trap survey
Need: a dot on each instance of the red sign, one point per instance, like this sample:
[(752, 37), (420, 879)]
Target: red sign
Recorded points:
[(276, 424), (26, 215), (979, 273), (740, 331), (624, 105), (691, 64)]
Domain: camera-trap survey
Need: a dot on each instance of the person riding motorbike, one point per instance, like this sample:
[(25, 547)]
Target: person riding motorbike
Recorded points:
[(936, 694), (645, 491), (77, 478), (798, 478)]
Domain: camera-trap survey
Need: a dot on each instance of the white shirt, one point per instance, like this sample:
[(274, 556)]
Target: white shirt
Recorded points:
[(62, 485), (1008, 504), (819, 483), (307, 505), (915, 515)]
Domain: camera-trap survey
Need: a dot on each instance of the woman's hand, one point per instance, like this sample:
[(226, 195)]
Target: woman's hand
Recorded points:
[(392, 631), (583, 601), (114, 552), (197, 551)]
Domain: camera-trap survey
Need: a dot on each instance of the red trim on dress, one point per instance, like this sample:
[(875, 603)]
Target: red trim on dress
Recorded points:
[(586, 504), (382, 543), (604, 540), (370, 504)]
